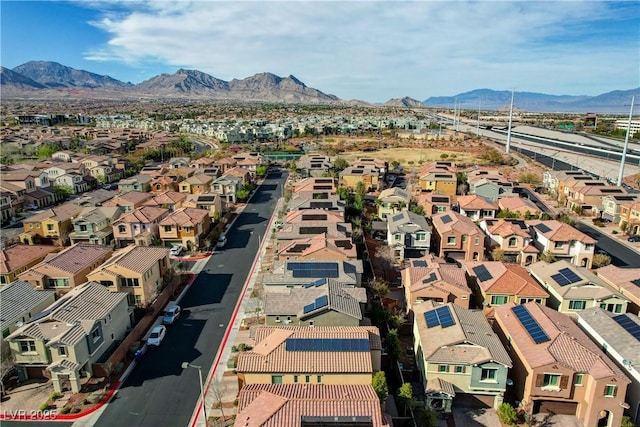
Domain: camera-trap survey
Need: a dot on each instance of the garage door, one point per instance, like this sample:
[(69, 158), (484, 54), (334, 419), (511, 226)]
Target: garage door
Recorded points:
[(473, 401), (553, 407)]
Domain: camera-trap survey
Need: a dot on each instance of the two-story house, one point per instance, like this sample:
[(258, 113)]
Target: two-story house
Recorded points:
[(290, 274), (315, 165), (129, 201), (137, 270), (140, 182), (476, 207), (563, 242), (459, 357), (226, 187), (67, 338), (318, 247), (21, 301), (162, 184), (408, 234), (392, 200), (572, 288), (171, 200), (457, 237), (434, 203), (557, 368), (210, 202), (196, 184), (491, 187), (438, 178), (512, 237), (520, 207), (53, 224), (186, 227), (624, 280), (17, 258), (95, 225), (140, 226), (370, 176)]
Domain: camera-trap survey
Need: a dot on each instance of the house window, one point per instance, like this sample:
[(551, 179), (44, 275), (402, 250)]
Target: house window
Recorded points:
[(464, 238), (27, 346), (295, 379), (559, 245), (106, 283), (442, 368), (577, 305), (421, 237), (49, 227), (62, 351), (489, 374), (167, 228), (129, 282), (398, 237), (319, 378), (610, 390), (451, 240), (121, 229), (551, 380), (276, 379), (459, 369), (578, 380), (307, 379), (95, 335), (477, 241), (499, 299), (61, 282), (138, 300), (513, 242), (83, 227)]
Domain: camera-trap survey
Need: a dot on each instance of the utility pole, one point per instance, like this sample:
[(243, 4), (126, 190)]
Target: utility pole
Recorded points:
[(510, 120), (626, 143), (478, 127)]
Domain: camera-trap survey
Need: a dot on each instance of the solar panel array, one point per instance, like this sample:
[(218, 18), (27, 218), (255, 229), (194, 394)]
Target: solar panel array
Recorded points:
[(314, 269), (314, 217), (327, 344), (439, 316), (316, 283), (419, 263), (629, 325), (436, 199), (321, 301), (446, 219), (636, 282), (482, 273), (432, 278), (313, 230), (543, 228), (397, 217), (565, 277), (535, 331)]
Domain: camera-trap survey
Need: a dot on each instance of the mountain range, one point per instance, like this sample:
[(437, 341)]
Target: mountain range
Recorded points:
[(50, 80)]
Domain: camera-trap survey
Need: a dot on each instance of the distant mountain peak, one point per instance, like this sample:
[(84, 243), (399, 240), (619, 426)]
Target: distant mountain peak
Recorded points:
[(406, 102)]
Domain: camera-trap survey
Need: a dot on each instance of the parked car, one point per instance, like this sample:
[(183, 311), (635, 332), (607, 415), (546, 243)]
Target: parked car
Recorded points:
[(157, 335), (222, 241), (171, 314), (176, 251), (635, 238)]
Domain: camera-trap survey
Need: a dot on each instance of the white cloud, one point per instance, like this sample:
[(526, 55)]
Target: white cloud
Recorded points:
[(378, 50)]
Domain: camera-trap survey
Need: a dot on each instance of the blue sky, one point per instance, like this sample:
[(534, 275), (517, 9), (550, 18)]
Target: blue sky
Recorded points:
[(368, 50)]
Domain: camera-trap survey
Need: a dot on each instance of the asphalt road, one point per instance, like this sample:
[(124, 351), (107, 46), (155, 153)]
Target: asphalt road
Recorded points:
[(158, 391), (621, 255)]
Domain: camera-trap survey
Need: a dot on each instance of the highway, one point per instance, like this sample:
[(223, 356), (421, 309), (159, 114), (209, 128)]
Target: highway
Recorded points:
[(158, 391)]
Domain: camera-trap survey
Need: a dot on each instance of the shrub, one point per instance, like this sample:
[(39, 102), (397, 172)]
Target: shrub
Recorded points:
[(614, 232), (86, 402), (626, 422), (54, 395), (507, 414), (75, 410), (65, 410), (44, 406), (244, 347), (380, 385)]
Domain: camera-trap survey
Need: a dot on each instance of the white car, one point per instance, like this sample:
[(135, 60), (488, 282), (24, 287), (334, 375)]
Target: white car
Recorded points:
[(175, 251), (171, 314), (157, 335), (222, 241)]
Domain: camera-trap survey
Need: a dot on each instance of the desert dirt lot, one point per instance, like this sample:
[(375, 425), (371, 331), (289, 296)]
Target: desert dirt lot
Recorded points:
[(405, 155)]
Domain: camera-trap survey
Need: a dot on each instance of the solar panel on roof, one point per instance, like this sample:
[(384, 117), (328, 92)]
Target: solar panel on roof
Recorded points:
[(419, 263), (431, 318), (445, 316), (322, 301), (636, 282), (313, 269), (543, 228), (446, 219), (319, 282), (629, 325), (314, 217), (482, 273), (432, 278), (309, 308), (397, 217), (565, 277), (440, 199), (309, 285), (327, 344), (535, 331)]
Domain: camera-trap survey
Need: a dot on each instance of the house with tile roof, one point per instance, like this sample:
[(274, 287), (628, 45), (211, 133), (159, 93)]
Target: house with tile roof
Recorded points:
[(140, 226), (307, 215), (51, 225), (409, 234), (630, 218), (171, 200), (315, 184), (137, 270), (563, 241), (317, 248), (185, 226), (572, 289), (612, 206), (319, 355), (307, 229), (129, 201), (457, 237), (307, 200), (95, 225), (435, 203), (589, 198), (140, 182), (69, 336), (324, 302), (21, 301), (299, 273), (94, 198), (458, 355), (492, 187), (17, 258), (226, 187), (557, 368), (438, 178), (430, 278), (277, 405), (497, 283), (196, 184), (519, 206), (624, 280), (476, 207), (512, 237), (392, 200), (313, 165), (371, 176), (619, 336), (162, 184), (67, 269)]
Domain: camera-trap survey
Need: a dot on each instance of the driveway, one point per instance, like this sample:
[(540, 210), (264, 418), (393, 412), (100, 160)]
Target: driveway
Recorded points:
[(466, 417)]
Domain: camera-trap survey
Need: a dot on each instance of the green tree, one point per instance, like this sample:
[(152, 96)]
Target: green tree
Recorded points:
[(392, 344), (417, 209), (261, 170), (626, 422), (507, 414), (378, 287), (62, 191), (425, 417), (547, 257), (529, 178), (379, 383), (340, 164), (600, 260), (45, 151), (497, 254), (405, 397), (242, 194)]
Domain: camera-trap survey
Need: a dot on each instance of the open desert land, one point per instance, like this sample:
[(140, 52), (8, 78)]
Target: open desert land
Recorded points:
[(411, 156)]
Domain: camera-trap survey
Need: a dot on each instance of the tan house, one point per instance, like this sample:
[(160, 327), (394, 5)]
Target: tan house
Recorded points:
[(589, 198), (275, 405), (318, 247), (630, 218), (315, 185), (438, 178), (17, 258), (624, 280), (476, 207), (557, 368), (497, 283), (67, 269), (137, 270), (20, 302), (456, 236), (431, 279), (392, 200), (162, 184), (435, 203), (313, 215), (512, 237), (51, 225), (318, 355), (130, 200), (520, 206), (171, 200), (370, 176), (139, 226), (185, 226), (210, 202), (563, 242), (64, 341), (196, 184)]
